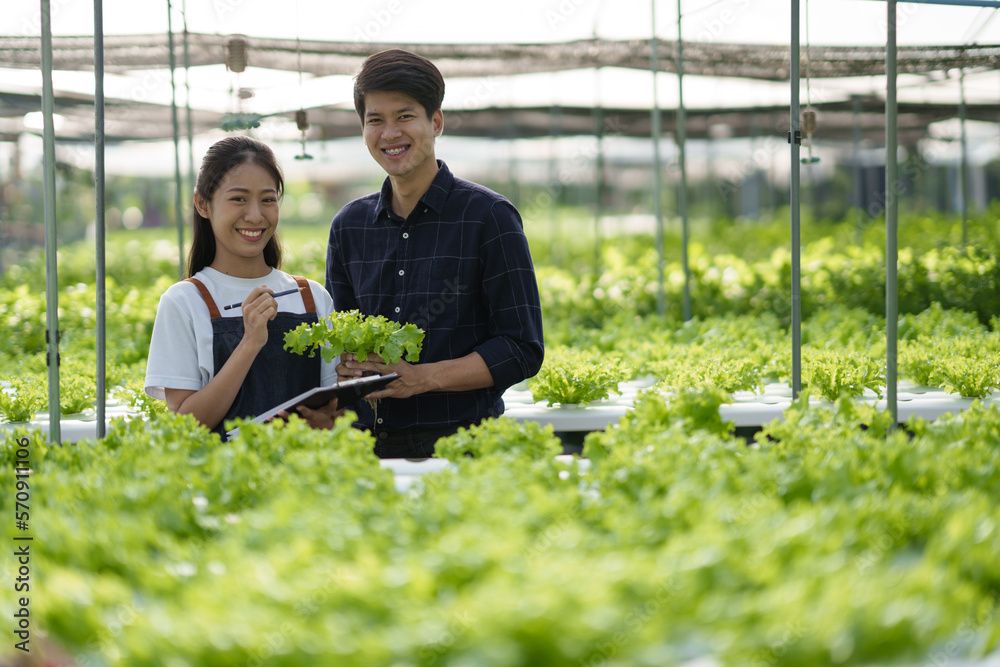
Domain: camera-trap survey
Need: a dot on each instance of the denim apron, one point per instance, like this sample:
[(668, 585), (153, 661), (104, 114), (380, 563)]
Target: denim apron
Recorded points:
[(276, 375)]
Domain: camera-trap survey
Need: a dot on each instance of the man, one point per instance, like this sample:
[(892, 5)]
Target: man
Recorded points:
[(445, 254)]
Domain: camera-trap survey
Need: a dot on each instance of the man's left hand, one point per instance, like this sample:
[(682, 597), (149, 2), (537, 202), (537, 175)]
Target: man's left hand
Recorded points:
[(413, 379)]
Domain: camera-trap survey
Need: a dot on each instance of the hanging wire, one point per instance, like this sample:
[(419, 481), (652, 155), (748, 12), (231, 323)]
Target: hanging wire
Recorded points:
[(301, 118), (237, 59), (809, 115)]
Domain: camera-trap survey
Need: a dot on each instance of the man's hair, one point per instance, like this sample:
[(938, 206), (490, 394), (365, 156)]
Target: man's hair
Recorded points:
[(400, 71)]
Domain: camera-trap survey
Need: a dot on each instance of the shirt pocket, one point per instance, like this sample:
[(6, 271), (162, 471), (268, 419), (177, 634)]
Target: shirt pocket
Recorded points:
[(454, 279)]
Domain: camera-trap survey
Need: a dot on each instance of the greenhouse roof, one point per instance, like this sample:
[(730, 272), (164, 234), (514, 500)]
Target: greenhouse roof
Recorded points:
[(124, 53), (517, 70)]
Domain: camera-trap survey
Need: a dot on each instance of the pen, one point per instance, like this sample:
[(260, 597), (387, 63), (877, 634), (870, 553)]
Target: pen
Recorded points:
[(275, 295)]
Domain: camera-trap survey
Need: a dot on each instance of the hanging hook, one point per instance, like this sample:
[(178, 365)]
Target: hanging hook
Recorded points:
[(808, 127), (302, 121)]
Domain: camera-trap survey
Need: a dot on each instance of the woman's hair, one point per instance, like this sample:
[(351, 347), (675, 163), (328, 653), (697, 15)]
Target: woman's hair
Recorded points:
[(221, 158), (399, 71)]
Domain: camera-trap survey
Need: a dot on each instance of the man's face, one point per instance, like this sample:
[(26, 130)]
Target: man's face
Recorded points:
[(399, 135)]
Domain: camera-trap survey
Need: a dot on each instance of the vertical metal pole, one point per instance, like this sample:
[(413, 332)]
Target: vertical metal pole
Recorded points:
[(963, 172), (556, 186), (750, 194), (51, 268), (795, 138), (99, 213), (177, 150), (856, 172), (681, 141), (192, 175), (657, 208), (514, 192), (891, 214), (599, 178)]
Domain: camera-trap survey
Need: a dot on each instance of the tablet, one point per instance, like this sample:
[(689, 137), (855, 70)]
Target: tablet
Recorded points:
[(345, 392)]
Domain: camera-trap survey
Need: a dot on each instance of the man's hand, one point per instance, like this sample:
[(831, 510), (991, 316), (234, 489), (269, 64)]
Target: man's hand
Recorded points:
[(413, 379), (465, 374)]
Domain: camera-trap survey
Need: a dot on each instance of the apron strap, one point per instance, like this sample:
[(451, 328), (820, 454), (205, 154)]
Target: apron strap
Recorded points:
[(213, 310), (307, 295)]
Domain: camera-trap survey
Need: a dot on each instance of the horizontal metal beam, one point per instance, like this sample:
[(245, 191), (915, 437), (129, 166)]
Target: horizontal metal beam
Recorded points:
[(963, 3)]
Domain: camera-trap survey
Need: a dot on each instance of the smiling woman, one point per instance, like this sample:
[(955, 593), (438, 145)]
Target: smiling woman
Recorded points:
[(243, 214), (222, 368)]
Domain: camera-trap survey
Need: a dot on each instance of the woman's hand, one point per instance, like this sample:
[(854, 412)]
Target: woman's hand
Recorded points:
[(322, 418), (258, 308)]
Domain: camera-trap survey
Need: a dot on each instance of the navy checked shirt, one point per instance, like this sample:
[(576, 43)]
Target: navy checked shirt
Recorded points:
[(459, 268)]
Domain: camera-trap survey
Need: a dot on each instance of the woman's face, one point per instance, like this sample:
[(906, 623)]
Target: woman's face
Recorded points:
[(244, 216)]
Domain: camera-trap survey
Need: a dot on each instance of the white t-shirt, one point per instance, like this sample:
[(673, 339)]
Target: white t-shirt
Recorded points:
[(180, 351)]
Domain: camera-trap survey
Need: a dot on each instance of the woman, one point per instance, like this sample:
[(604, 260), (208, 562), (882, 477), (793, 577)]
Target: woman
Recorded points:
[(216, 367)]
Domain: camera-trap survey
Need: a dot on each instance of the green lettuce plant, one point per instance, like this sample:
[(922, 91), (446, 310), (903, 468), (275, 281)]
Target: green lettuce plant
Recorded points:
[(526, 439), (570, 377), (362, 335), (23, 400), (833, 373)]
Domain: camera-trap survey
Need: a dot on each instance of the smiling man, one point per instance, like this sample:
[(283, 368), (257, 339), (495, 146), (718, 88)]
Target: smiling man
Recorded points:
[(440, 252)]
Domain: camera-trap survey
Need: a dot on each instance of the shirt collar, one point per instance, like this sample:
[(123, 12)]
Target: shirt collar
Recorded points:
[(435, 197)]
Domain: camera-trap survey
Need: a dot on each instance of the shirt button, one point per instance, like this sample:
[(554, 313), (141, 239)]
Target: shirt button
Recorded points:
[(425, 210), (383, 435), (401, 272), (397, 309), (406, 235), (379, 420)]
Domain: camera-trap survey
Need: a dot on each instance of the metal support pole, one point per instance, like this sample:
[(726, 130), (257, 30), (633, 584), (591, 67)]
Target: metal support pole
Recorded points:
[(795, 139), (600, 183), (682, 158), (857, 198), (99, 214), (192, 174), (891, 214), (556, 186), (657, 174), (177, 150), (963, 171), (51, 266)]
